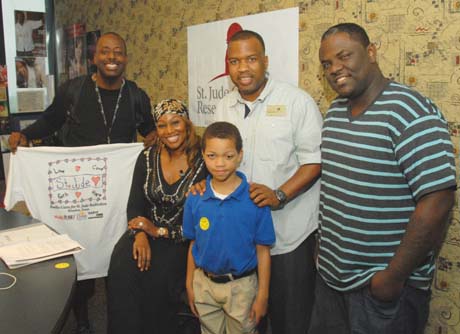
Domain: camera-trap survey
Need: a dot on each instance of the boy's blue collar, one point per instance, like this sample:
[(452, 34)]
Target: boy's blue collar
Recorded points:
[(236, 194)]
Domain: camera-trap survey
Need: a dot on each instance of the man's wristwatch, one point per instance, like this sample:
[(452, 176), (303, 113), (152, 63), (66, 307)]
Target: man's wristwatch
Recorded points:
[(162, 232), (281, 196)]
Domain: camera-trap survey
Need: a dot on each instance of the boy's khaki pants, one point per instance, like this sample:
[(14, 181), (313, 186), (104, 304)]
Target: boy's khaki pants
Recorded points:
[(224, 307)]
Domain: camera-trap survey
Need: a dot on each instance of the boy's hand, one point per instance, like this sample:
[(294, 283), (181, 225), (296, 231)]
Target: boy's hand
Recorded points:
[(141, 251), (191, 300), (259, 309), (198, 188)]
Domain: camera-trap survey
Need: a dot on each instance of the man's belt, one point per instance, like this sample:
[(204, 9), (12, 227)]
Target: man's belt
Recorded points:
[(227, 277)]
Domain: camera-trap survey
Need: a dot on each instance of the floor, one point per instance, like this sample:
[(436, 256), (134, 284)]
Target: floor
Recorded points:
[(97, 309)]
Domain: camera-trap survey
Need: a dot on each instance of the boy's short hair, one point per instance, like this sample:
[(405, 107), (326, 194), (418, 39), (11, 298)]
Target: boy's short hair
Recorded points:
[(222, 130)]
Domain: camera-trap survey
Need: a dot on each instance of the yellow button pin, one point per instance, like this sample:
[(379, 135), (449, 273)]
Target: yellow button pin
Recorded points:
[(204, 223)]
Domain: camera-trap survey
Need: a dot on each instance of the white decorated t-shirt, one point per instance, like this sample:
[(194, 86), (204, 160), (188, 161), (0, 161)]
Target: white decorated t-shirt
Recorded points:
[(79, 191)]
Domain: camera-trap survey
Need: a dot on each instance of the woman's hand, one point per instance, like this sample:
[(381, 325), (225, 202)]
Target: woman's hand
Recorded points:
[(141, 251), (142, 224)]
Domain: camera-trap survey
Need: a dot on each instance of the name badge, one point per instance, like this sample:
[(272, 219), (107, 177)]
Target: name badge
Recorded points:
[(276, 110)]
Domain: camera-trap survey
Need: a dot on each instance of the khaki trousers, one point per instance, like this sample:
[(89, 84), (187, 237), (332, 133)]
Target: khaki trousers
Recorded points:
[(224, 308)]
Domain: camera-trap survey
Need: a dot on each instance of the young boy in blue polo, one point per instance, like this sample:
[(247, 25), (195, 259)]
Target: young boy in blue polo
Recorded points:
[(228, 269)]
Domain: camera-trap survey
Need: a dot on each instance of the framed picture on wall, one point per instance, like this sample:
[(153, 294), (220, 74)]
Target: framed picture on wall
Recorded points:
[(30, 34), (3, 109), (4, 146), (31, 72), (31, 99)]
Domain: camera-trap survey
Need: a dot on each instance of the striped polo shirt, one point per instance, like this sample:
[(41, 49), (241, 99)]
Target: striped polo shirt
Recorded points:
[(375, 167)]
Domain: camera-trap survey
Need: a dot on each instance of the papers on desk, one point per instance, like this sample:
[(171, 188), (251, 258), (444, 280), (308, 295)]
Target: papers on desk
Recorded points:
[(34, 243)]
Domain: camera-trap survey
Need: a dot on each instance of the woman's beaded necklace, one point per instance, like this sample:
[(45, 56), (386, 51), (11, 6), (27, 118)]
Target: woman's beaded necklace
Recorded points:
[(173, 200)]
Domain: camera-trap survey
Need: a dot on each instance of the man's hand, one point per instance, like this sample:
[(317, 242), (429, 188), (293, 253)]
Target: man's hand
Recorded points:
[(385, 286), (150, 138), (424, 233), (141, 251), (198, 188), (262, 195), (17, 139)]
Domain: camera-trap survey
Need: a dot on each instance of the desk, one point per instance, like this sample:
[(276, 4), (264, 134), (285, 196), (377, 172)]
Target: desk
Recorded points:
[(40, 299)]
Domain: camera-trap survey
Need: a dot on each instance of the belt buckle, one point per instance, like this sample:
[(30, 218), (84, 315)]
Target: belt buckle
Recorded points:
[(219, 278)]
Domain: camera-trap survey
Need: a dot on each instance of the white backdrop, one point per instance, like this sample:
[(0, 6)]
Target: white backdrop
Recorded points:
[(207, 46)]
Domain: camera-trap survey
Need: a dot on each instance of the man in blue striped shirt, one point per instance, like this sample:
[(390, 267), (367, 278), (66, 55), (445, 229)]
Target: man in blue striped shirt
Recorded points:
[(387, 188)]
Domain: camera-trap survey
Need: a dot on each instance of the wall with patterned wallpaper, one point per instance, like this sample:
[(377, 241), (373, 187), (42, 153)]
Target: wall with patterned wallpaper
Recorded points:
[(418, 43)]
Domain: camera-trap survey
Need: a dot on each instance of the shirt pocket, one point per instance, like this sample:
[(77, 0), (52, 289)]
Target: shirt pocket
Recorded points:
[(274, 140)]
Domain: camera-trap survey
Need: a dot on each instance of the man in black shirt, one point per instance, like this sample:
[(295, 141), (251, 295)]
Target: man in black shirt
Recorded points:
[(103, 111), (101, 108)]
